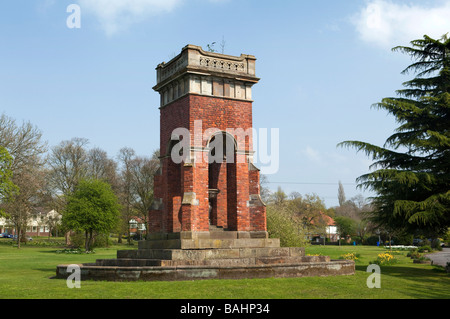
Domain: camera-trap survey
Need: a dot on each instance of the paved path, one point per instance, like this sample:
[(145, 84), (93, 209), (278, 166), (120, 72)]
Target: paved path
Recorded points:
[(440, 258)]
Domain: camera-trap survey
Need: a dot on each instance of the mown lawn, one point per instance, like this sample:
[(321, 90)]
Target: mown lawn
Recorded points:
[(27, 274)]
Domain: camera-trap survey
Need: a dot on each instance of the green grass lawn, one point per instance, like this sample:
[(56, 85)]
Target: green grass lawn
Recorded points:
[(26, 273)]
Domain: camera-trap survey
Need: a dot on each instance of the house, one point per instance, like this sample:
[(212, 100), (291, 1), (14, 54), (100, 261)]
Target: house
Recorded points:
[(137, 226), (41, 223), (330, 228)]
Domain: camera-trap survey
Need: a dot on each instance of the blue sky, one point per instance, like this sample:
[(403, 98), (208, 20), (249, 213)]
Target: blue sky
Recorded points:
[(322, 65)]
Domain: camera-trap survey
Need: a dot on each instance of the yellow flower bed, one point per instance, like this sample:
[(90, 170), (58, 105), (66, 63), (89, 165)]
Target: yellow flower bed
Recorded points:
[(386, 259), (349, 256)]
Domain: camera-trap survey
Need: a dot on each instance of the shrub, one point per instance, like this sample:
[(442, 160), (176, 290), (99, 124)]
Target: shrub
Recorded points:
[(281, 225), (425, 242), (74, 251), (424, 248), (436, 244), (77, 240), (414, 254), (102, 240)]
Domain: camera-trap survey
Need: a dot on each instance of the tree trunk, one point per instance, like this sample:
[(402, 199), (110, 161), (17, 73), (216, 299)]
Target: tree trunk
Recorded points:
[(91, 239), (86, 241), (67, 237), (18, 231)]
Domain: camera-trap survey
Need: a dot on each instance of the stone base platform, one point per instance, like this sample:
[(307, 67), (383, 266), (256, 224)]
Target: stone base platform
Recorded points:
[(210, 255)]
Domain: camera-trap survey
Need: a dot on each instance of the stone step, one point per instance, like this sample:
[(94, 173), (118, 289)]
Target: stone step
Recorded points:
[(150, 273), (292, 259), (202, 254), (124, 262), (209, 243), (220, 262)]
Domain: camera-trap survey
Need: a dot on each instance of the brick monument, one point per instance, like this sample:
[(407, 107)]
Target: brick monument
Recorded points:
[(207, 219), (209, 95)]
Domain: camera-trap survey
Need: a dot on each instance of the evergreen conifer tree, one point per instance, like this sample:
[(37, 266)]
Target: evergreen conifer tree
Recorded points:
[(411, 172)]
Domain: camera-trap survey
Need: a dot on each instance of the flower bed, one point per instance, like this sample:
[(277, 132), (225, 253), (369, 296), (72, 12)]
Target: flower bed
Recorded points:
[(400, 247), (349, 256), (385, 259)]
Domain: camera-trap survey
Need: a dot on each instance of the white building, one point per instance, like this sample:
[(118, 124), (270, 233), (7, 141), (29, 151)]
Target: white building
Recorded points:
[(40, 223)]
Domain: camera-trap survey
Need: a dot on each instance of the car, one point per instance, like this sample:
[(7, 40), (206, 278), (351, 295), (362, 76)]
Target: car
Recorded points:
[(27, 238)]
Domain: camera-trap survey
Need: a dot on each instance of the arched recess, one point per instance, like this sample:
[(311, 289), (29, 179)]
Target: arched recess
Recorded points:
[(222, 180), (174, 189)]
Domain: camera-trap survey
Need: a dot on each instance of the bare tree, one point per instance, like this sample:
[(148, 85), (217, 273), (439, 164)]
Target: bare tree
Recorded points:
[(308, 210), (294, 195), (279, 197), (26, 148), (264, 190), (126, 155), (100, 166), (24, 143), (21, 206), (68, 165), (143, 170)]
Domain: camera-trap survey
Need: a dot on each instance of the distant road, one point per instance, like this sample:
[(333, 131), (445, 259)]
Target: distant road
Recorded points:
[(440, 258)]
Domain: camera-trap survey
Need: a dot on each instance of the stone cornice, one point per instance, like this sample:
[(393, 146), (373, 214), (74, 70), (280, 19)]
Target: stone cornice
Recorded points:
[(207, 73)]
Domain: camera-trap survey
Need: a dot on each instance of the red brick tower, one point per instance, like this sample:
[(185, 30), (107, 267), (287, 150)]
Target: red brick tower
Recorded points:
[(206, 96), (208, 220)]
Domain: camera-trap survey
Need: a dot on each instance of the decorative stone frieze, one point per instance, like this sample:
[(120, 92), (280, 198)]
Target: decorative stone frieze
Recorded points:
[(195, 71)]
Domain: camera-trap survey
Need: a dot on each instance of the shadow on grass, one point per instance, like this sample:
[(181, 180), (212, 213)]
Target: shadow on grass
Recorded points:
[(432, 282), (49, 251)]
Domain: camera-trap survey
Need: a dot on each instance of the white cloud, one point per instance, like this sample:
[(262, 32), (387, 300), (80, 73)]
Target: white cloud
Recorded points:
[(387, 24), (117, 15), (312, 154)]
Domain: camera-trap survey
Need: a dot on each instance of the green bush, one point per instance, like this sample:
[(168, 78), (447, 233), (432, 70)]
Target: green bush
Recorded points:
[(414, 254), (436, 244), (281, 225), (102, 240), (425, 242), (77, 240), (424, 248)]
